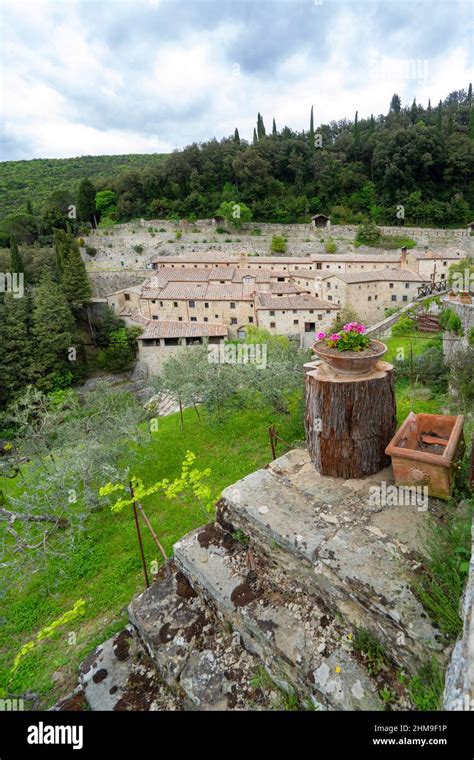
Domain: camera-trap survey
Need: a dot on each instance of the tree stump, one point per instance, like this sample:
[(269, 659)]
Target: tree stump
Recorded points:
[(349, 420)]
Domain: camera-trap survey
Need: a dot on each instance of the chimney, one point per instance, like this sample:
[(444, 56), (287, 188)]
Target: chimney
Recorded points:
[(403, 257)]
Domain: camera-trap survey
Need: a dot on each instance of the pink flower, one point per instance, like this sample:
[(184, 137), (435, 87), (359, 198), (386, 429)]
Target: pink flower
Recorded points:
[(361, 329), (321, 335), (335, 337)]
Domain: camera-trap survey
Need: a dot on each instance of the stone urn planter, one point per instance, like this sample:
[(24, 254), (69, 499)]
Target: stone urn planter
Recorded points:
[(350, 362), (425, 451), (465, 298)]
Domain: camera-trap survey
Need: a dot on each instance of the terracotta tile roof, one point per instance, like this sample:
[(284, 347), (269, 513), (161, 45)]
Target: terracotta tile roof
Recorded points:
[(169, 329), (287, 287), (380, 275), (303, 301)]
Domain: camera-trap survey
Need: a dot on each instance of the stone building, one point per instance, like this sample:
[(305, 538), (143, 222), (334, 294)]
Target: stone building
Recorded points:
[(294, 314), (370, 293), (161, 340)]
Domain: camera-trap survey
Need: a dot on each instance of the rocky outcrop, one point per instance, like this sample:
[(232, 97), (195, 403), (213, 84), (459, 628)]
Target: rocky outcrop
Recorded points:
[(260, 609)]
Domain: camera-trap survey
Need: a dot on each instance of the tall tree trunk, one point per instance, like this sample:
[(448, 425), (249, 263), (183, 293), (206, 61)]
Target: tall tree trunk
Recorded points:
[(349, 421)]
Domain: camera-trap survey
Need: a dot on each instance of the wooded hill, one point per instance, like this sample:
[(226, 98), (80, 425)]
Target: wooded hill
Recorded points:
[(419, 157), (35, 180)]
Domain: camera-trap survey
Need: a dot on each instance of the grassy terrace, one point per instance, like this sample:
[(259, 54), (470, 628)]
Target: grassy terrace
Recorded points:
[(103, 565)]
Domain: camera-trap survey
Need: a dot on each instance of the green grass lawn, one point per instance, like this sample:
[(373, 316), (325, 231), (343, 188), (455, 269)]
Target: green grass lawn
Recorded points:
[(103, 566)]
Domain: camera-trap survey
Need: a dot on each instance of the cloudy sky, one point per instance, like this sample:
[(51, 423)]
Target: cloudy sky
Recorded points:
[(81, 77)]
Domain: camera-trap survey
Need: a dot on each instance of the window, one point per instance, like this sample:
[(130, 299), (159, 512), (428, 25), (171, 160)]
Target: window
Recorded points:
[(280, 279), (180, 319), (296, 321), (193, 319), (232, 305), (192, 304), (250, 320), (369, 298), (311, 311), (319, 266), (175, 304), (206, 319), (329, 298), (390, 285), (154, 316), (407, 284), (404, 298), (161, 304), (171, 341), (153, 301), (233, 321), (320, 316), (272, 324), (394, 298), (272, 313), (127, 296), (206, 305), (216, 316)]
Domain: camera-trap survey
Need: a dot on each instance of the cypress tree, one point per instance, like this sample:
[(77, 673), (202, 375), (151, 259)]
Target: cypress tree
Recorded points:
[(61, 247), (471, 123), (439, 117), (395, 104), (74, 280), (52, 330), (255, 138), (16, 262), (469, 95), (15, 346), (356, 134), (236, 136), (311, 127), (260, 127), (274, 128), (86, 201)]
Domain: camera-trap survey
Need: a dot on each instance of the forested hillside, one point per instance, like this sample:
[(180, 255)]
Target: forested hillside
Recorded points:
[(414, 165), (35, 180)]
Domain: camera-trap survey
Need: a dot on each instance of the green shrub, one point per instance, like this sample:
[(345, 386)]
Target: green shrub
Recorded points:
[(404, 326), (426, 688), (81, 242), (179, 235), (450, 321), (256, 231), (368, 234), (278, 244), (90, 250), (330, 247), (137, 248)]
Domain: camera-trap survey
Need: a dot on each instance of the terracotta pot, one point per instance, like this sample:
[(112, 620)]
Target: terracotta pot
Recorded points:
[(350, 362), (465, 298), (413, 466), (453, 296)]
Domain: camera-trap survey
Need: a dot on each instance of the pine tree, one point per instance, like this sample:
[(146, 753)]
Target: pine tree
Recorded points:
[(236, 136), (274, 128), (255, 138), (74, 280), (86, 201), (16, 262), (52, 330), (15, 346)]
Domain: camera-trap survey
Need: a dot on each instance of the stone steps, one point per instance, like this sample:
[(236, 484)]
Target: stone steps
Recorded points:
[(300, 645), (333, 538), (196, 658)]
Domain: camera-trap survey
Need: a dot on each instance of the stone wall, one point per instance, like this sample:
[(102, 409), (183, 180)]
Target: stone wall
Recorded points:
[(459, 684), (106, 282)]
